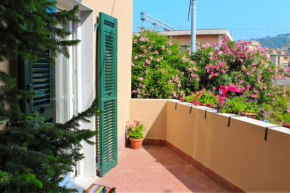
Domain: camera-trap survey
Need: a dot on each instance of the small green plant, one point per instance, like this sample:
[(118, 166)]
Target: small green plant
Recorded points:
[(243, 104), (278, 110), (135, 129), (203, 97)]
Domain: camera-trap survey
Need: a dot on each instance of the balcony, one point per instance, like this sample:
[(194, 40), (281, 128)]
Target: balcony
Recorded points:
[(195, 149)]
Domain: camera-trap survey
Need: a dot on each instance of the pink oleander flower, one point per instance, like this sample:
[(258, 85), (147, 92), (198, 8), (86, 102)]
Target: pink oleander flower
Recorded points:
[(163, 47), (147, 62), (223, 71), (140, 78), (184, 59), (142, 39), (138, 121), (174, 94), (242, 81), (132, 64), (136, 57), (157, 60), (288, 110), (214, 88)]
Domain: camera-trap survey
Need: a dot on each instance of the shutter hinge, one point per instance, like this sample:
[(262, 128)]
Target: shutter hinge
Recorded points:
[(97, 26)]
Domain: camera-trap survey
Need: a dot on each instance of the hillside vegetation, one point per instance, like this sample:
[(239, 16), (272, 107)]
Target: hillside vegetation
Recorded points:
[(275, 42)]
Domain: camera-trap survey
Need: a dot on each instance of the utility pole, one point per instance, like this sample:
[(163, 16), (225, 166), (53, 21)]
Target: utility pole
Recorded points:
[(193, 26), (142, 16)]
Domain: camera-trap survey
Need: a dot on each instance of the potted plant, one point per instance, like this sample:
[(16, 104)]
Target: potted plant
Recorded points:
[(286, 119), (203, 98), (135, 133), (243, 106)]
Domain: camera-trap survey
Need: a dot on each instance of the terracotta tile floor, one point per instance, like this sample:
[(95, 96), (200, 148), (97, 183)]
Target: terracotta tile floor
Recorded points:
[(156, 169)]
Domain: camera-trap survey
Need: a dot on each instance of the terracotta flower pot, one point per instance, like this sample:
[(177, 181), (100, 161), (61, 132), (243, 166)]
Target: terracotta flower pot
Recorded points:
[(250, 115), (286, 125), (206, 104), (136, 143)]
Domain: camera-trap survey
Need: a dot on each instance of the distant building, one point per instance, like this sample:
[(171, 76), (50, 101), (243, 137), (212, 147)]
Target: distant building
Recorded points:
[(285, 49), (279, 57), (253, 44), (210, 36)]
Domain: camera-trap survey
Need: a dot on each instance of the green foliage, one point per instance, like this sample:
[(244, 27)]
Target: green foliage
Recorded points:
[(135, 129), (160, 67), (26, 27), (241, 105), (34, 155), (274, 42), (278, 110), (202, 97)]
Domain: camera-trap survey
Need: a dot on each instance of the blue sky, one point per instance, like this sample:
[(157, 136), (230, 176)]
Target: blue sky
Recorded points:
[(244, 19)]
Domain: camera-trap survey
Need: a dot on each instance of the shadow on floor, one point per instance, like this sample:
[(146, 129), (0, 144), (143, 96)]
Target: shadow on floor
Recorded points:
[(156, 169)]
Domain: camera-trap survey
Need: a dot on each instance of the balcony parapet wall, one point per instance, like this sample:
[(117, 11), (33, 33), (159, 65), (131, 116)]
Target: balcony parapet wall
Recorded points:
[(250, 154)]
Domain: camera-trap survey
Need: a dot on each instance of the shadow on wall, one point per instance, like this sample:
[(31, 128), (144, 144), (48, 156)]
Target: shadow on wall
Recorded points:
[(154, 117)]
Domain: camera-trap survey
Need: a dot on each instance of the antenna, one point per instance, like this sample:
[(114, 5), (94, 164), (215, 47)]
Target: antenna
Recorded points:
[(155, 22)]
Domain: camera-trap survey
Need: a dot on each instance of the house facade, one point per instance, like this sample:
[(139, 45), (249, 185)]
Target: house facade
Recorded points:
[(210, 36), (99, 67), (279, 57)]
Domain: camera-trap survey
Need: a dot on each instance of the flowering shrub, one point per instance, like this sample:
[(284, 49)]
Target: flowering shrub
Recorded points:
[(135, 129), (230, 76), (237, 67), (160, 69)]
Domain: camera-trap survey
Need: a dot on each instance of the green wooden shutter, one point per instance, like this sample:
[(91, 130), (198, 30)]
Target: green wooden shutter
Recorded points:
[(107, 91), (40, 77)]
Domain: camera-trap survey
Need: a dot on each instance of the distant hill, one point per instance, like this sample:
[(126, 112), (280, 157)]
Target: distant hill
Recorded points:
[(275, 42)]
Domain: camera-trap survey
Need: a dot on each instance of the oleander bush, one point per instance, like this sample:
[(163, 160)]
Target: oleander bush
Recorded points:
[(160, 68), (230, 76)]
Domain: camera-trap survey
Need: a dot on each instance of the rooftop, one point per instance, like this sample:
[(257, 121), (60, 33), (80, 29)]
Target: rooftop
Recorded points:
[(198, 32)]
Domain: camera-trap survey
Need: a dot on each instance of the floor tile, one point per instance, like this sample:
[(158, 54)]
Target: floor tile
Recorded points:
[(156, 169)]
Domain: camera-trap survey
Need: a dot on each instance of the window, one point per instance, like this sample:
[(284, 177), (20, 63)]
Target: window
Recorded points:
[(39, 77)]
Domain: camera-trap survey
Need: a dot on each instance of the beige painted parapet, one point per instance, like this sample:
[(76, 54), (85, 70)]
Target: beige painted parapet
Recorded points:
[(238, 152)]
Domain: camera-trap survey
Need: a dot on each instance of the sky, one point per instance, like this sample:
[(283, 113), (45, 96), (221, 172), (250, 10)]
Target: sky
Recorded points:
[(245, 19)]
